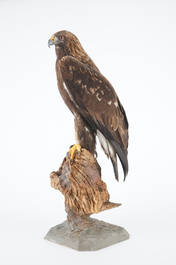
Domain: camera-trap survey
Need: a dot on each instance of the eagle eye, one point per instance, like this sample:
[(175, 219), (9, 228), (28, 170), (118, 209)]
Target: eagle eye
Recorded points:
[(61, 37)]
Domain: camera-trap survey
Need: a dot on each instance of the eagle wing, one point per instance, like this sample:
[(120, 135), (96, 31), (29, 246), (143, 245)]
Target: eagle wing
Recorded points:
[(98, 102)]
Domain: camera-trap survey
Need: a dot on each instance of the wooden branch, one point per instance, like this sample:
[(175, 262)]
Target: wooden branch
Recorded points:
[(84, 191)]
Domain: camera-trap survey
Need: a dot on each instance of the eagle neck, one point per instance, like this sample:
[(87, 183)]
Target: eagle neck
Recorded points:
[(60, 52)]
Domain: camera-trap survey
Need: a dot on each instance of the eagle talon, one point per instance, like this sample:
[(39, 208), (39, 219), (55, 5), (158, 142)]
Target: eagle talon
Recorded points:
[(71, 152), (67, 154), (70, 162)]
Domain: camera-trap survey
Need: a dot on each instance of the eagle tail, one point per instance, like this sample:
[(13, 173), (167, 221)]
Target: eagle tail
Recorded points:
[(122, 154), (111, 148), (115, 166)]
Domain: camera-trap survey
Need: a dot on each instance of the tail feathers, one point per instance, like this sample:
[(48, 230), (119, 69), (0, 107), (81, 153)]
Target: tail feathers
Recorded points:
[(115, 166), (122, 154), (111, 148)]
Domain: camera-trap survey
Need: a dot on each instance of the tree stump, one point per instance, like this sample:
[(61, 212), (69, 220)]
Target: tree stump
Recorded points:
[(85, 194)]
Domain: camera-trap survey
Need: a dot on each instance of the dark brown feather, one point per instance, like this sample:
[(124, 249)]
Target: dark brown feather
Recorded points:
[(95, 95)]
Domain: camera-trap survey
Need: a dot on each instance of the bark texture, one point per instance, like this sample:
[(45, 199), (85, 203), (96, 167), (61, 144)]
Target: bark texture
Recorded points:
[(84, 191)]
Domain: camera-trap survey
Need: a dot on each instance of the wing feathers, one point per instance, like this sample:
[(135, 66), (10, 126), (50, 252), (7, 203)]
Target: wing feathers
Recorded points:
[(100, 106)]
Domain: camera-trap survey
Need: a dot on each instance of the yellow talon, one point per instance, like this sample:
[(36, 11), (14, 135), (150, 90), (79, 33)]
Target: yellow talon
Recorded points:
[(73, 149)]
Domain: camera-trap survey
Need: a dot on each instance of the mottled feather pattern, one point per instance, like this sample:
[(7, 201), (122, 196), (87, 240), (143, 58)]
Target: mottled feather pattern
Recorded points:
[(89, 86)]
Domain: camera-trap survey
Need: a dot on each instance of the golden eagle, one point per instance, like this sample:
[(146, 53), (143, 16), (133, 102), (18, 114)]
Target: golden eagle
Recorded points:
[(92, 100)]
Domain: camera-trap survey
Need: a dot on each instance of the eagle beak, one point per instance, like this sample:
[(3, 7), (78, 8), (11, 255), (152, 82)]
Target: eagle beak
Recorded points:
[(51, 41)]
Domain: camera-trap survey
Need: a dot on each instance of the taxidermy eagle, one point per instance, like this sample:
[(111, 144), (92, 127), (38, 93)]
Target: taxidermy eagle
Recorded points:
[(92, 100)]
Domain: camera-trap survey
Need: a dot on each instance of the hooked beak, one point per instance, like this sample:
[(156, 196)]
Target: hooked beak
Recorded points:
[(51, 41)]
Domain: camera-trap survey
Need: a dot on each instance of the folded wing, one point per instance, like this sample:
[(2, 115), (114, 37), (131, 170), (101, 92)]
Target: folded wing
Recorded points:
[(98, 102)]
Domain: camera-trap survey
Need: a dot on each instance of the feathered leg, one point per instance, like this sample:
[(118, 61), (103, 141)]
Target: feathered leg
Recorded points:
[(84, 137)]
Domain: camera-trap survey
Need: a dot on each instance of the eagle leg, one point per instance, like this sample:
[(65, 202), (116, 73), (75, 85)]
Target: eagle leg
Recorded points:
[(72, 150)]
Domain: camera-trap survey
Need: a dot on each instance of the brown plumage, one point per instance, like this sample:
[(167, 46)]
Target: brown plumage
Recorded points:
[(92, 100)]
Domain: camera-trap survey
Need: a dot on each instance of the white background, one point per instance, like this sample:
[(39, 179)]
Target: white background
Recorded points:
[(133, 44)]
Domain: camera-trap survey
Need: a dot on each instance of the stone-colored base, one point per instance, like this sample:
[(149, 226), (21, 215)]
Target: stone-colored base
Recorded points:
[(96, 235)]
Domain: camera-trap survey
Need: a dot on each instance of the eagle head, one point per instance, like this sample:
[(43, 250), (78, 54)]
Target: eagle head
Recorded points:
[(62, 38), (65, 42)]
